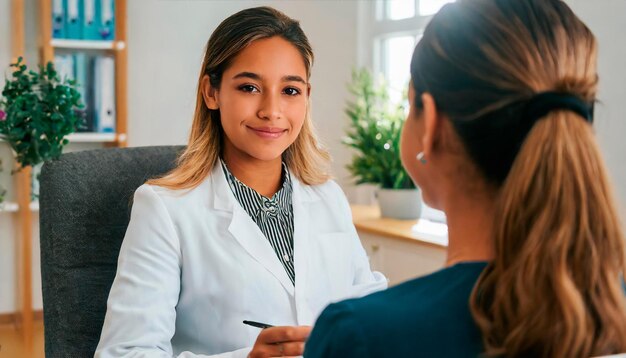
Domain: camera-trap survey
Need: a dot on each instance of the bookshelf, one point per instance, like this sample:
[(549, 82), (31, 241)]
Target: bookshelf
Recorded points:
[(23, 210)]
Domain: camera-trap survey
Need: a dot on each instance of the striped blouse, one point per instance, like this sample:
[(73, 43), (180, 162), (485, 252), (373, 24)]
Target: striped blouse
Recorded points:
[(273, 216)]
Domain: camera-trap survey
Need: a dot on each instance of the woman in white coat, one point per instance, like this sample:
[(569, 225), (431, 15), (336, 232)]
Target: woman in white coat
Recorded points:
[(248, 226)]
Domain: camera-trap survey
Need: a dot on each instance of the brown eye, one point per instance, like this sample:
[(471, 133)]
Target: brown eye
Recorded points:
[(290, 91), (248, 88)]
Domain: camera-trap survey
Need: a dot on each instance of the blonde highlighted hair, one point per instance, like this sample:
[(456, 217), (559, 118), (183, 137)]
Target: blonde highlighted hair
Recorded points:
[(306, 158), (555, 287)]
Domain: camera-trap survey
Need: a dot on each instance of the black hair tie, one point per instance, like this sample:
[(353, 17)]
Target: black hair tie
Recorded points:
[(545, 102), (494, 139)]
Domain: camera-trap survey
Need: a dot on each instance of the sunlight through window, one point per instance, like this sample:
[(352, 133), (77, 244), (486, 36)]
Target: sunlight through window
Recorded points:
[(399, 9), (430, 7)]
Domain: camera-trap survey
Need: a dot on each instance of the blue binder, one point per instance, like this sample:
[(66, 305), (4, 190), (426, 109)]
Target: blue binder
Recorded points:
[(73, 19), (58, 19), (91, 19), (107, 19)]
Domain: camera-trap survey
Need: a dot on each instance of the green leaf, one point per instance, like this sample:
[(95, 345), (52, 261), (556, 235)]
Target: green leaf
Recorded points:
[(40, 111), (374, 131)]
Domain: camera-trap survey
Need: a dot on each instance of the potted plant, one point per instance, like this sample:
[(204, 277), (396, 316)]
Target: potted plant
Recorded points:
[(374, 134), (39, 110)]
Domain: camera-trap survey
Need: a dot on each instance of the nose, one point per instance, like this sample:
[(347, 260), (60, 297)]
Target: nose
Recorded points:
[(270, 107)]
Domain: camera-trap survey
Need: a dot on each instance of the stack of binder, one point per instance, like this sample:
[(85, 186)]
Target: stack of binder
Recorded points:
[(83, 19), (95, 77)]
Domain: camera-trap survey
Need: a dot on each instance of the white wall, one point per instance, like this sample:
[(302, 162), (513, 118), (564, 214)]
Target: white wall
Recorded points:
[(606, 19), (5, 35), (5, 60), (165, 48), (7, 222)]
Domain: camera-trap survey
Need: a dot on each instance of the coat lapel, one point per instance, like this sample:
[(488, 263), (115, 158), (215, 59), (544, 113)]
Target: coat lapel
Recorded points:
[(246, 231), (248, 234)]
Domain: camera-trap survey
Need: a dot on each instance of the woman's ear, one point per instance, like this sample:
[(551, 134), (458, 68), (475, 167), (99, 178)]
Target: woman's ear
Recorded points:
[(430, 123), (209, 93)]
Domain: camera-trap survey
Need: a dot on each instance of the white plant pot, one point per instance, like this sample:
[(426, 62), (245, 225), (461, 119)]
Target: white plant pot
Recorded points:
[(403, 204)]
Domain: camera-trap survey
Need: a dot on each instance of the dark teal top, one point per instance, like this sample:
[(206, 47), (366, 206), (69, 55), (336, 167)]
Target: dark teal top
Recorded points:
[(426, 317)]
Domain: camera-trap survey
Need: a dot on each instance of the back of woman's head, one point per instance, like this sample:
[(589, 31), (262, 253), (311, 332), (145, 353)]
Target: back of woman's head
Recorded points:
[(517, 80)]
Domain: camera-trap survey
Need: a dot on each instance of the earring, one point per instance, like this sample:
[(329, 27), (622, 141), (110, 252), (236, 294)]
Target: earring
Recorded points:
[(420, 157)]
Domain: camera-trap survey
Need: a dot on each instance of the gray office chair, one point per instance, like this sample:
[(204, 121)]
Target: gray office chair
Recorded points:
[(85, 202)]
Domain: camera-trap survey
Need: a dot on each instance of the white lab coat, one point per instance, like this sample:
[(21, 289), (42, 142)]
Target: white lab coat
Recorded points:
[(194, 265)]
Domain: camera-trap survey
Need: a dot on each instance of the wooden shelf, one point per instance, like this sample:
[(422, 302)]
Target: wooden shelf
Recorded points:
[(9, 207), (87, 44), (92, 137), (367, 218)]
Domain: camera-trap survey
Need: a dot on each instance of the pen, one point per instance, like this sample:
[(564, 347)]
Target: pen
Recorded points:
[(257, 324)]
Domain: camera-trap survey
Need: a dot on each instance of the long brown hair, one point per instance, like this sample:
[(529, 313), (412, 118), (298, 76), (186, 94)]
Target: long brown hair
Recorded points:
[(306, 158), (555, 286)]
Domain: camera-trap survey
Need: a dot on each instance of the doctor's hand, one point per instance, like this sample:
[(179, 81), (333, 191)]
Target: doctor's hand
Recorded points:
[(287, 341)]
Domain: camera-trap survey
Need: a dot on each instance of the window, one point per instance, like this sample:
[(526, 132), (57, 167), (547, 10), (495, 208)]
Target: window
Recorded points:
[(430, 7), (399, 9), (404, 9), (395, 55), (395, 27)]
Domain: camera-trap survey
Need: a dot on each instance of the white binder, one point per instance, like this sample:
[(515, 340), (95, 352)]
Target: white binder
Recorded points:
[(105, 94), (64, 65)]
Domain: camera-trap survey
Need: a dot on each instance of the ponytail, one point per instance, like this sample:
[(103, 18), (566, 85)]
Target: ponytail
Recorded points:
[(555, 288)]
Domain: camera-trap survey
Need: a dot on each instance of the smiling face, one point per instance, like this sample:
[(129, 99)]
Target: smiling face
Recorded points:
[(262, 99)]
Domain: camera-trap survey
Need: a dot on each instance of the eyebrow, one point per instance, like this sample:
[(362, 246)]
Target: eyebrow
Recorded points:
[(254, 76)]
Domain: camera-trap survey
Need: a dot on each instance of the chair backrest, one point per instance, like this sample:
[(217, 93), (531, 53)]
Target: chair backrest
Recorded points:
[(85, 202)]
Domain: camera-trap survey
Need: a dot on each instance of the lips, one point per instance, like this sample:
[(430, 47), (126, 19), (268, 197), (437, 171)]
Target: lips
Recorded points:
[(268, 132)]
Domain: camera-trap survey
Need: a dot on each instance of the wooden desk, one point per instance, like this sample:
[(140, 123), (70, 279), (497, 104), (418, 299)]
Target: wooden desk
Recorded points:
[(394, 248)]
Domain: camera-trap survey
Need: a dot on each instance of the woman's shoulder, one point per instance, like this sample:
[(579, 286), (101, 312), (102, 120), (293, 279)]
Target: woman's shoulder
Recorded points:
[(172, 196), (420, 315), (421, 293)]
